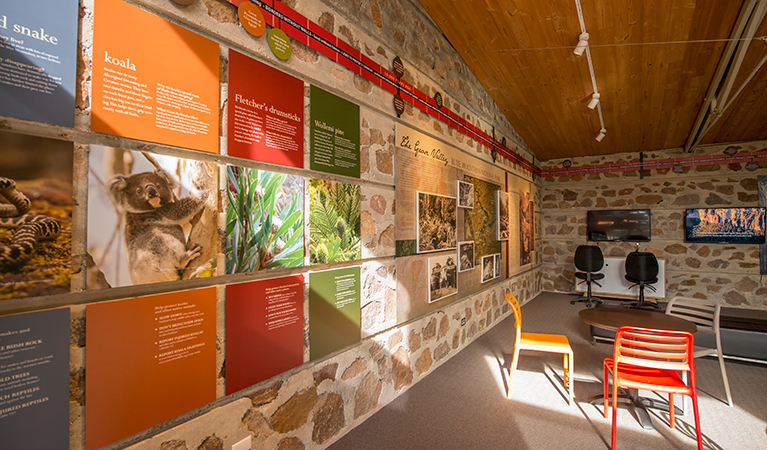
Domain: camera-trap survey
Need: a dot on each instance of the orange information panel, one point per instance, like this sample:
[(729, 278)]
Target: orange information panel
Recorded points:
[(150, 359), (153, 80)]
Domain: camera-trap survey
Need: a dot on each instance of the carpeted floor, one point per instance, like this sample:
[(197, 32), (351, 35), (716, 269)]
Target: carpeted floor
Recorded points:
[(463, 405)]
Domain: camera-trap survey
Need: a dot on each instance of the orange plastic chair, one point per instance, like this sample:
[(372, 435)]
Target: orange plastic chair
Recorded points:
[(553, 343), (652, 359)]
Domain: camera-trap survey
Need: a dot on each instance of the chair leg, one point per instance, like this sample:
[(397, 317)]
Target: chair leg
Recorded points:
[(671, 408), (512, 373), (568, 363), (606, 382), (697, 420), (615, 413), (724, 377)]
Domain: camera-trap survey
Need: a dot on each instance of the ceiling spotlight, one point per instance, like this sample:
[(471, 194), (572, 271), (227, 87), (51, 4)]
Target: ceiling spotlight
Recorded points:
[(594, 100), (583, 42), (752, 165), (678, 168), (601, 135), (731, 150)]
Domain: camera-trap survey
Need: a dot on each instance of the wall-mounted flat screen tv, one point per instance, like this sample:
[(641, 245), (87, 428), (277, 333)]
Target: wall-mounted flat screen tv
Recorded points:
[(619, 225), (725, 225)]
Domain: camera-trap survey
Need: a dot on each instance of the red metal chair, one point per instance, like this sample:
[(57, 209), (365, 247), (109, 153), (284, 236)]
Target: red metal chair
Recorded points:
[(652, 360)]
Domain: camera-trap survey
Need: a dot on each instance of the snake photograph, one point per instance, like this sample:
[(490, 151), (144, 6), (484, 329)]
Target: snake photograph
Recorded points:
[(30, 228)]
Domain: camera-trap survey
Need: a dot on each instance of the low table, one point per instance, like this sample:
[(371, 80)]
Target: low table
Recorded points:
[(611, 319)]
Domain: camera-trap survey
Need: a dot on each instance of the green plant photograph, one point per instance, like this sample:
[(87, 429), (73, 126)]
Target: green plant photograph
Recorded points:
[(334, 221), (264, 220)]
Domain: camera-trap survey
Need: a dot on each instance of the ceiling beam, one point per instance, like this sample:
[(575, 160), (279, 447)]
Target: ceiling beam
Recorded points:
[(718, 98)]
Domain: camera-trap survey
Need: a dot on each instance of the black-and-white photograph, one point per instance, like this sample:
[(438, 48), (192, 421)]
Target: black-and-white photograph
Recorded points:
[(436, 222), (465, 195), (497, 263), (488, 268), (465, 256), (503, 215), (443, 278)]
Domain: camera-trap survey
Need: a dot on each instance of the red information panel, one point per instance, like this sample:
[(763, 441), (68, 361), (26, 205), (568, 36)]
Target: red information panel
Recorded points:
[(153, 80), (264, 330), (150, 359), (266, 113)]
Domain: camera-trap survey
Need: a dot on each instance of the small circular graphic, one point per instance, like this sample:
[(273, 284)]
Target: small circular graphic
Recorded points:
[(438, 100), (399, 104), (731, 150), (279, 42), (398, 67), (678, 168), (251, 18), (567, 163), (752, 166)]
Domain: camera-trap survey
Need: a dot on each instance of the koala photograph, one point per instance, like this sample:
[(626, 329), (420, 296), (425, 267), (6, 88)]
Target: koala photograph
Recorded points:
[(151, 218)]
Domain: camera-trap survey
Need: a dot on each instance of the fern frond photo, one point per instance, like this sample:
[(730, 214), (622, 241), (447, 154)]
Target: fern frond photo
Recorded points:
[(264, 220), (334, 221)]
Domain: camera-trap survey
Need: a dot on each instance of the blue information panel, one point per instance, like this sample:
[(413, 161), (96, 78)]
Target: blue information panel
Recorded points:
[(38, 60), (34, 380)]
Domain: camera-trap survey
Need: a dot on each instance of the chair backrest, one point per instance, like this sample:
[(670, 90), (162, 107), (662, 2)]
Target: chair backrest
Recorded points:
[(642, 266), (517, 319), (588, 258), (704, 313), (660, 349)]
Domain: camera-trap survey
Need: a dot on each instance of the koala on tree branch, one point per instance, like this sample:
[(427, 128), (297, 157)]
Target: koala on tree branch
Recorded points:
[(154, 237)]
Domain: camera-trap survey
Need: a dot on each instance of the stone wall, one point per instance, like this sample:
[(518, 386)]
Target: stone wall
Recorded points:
[(317, 403), (728, 273)]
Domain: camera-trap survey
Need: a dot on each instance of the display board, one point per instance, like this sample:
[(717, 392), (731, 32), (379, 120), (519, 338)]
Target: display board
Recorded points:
[(41, 171), (153, 80), (335, 134), (334, 221), (34, 380), (334, 310), (526, 238), (264, 220), (265, 112), (762, 183), (38, 59), (264, 330), (150, 359), (151, 218), (446, 199)]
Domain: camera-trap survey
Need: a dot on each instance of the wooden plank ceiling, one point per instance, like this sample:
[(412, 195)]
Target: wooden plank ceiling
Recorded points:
[(653, 61)]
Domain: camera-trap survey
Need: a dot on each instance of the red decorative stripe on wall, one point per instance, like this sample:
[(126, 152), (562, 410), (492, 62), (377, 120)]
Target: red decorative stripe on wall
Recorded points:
[(298, 27), (691, 161)]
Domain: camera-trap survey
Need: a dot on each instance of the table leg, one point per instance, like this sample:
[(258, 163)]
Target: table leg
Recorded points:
[(638, 405)]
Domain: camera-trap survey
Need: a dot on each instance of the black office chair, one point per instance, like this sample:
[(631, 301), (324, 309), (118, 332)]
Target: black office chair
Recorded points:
[(642, 270), (588, 259)]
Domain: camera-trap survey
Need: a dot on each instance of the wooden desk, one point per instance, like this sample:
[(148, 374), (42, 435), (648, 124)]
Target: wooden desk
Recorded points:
[(613, 318)]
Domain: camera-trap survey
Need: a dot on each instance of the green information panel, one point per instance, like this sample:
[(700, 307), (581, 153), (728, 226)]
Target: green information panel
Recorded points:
[(334, 310), (335, 129)]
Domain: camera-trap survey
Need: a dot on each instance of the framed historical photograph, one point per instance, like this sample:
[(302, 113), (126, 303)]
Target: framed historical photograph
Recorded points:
[(503, 215), (436, 222), (465, 195), (465, 256), (497, 264), (443, 279), (488, 268)]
